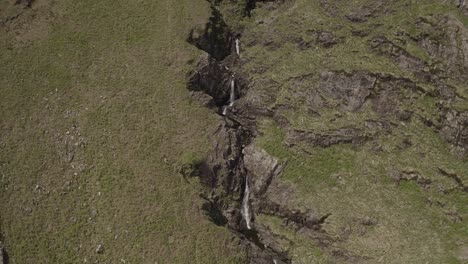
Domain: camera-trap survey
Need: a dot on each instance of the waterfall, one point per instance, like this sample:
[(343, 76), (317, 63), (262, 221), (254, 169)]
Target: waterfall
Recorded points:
[(245, 204), (237, 47), (232, 97)]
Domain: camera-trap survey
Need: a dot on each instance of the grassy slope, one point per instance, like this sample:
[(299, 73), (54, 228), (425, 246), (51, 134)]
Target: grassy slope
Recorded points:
[(109, 76), (354, 182)]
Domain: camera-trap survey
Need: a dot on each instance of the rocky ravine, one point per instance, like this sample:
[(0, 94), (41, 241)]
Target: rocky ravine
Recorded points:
[(235, 161)]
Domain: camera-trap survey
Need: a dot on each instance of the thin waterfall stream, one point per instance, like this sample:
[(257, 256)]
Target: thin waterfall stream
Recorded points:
[(232, 96), (245, 204)]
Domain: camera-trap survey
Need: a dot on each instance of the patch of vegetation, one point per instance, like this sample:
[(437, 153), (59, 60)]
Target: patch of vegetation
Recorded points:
[(94, 117)]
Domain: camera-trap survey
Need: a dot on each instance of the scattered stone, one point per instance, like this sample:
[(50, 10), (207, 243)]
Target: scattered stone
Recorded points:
[(454, 216), (369, 221), (410, 175), (100, 249), (327, 39), (362, 230), (462, 254), (28, 210), (359, 16)]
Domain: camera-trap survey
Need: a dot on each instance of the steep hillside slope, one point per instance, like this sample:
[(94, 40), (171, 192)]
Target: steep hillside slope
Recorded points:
[(94, 118), (361, 109), (234, 131)]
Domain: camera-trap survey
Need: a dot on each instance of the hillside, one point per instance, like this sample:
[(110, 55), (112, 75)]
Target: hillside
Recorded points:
[(242, 131)]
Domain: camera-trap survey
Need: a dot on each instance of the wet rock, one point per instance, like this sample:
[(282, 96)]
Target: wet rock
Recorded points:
[(222, 165), (261, 168), (350, 89), (214, 78)]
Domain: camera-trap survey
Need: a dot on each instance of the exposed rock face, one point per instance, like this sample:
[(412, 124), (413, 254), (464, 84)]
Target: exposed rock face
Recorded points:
[(261, 168), (339, 136), (350, 89), (447, 42), (300, 219), (212, 78), (224, 159), (454, 128), (215, 37), (403, 58)]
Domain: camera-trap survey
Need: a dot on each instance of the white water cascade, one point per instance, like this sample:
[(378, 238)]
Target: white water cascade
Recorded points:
[(237, 47), (232, 96), (245, 204)]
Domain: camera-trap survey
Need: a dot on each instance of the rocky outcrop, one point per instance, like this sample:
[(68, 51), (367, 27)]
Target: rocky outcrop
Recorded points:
[(454, 128), (446, 40), (231, 165), (404, 60), (215, 38), (351, 90), (261, 168), (214, 78), (339, 136), (410, 175), (454, 176), (298, 218)]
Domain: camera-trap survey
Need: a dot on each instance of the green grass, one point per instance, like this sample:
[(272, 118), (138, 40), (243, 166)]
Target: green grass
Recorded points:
[(115, 71), (352, 182)]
